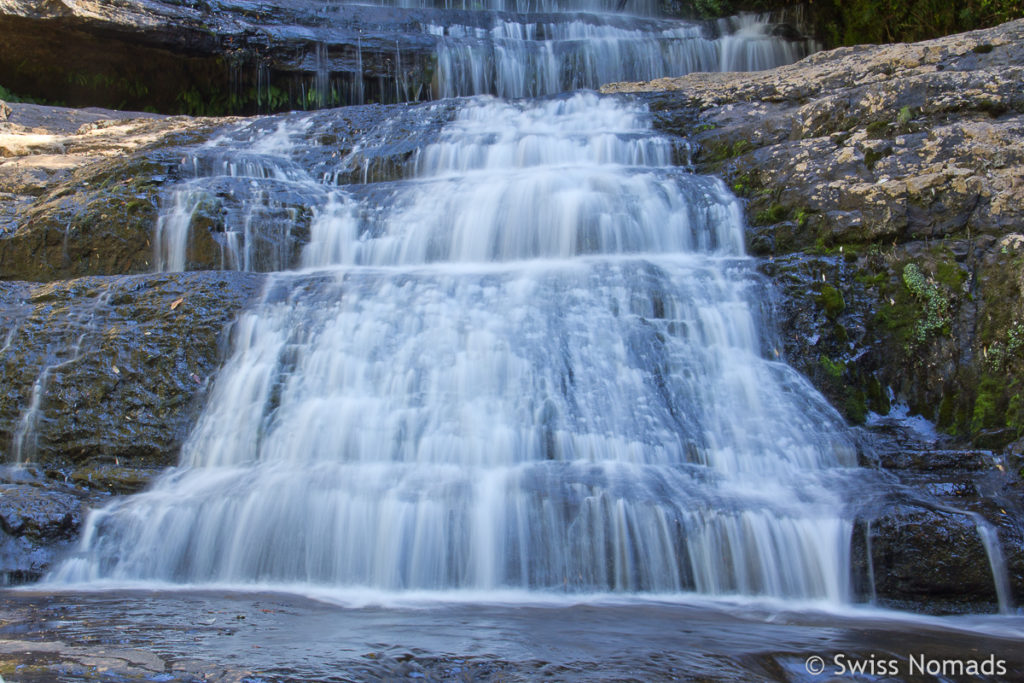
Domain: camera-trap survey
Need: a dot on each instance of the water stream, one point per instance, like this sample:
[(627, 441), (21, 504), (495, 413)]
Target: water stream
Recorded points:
[(531, 357), (538, 362)]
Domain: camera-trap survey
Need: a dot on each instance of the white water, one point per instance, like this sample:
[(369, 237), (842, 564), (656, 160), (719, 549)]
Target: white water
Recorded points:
[(540, 365), (638, 7), (516, 56), (522, 58)]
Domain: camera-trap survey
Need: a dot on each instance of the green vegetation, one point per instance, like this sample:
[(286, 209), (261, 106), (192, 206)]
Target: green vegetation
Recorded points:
[(8, 96), (773, 214), (748, 185), (718, 150), (872, 156), (800, 216), (834, 369), (905, 116), (852, 22), (831, 299), (986, 406), (877, 129), (935, 316), (889, 21)]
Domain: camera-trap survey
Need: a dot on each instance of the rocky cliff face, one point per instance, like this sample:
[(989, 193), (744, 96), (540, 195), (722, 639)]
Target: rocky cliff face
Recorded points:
[(889, 182), (884, 189)]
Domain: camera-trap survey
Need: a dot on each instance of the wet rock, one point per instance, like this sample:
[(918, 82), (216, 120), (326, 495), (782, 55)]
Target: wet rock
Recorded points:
[(919, 545), (38, 521), (37, 513), (912, 555), (80, 190), (113, 478), (104, 378), (883, 192), (888, 177), (111, 370)]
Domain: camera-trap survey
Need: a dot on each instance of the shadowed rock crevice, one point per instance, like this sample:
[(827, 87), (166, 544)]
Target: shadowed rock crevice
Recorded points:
[(211, 58)]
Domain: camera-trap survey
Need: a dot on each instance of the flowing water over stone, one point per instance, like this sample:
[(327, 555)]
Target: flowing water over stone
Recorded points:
[(513, 58), (251, 186), (516, 349), (538, 362)]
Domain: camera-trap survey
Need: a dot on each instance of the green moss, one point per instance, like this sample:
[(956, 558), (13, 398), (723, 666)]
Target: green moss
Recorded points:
[(719, 150), (993, 108), (947, 413), (878, 129), (741, 147), (869, 279), (1015, 414), (834, 369), (877, 396), (987, 412), (872, 156), (982, 49), (801, 216), (949, 273), (855, 406), (905, 116), (776, 213), (831, 299), (746, 184)]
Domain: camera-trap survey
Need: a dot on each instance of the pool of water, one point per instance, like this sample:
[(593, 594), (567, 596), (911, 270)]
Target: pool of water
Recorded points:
[(226, 634)]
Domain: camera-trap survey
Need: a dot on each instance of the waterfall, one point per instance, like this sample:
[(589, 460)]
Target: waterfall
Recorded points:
[(508, 55), (636, 7), (523, 58), (539, 360)]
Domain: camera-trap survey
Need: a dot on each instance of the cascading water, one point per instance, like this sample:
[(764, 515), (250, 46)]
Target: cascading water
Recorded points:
[(539, 362), (640, 7), (253, 188), (522, 58)]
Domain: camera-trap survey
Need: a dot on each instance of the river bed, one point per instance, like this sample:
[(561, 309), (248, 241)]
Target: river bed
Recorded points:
[(230, 635)]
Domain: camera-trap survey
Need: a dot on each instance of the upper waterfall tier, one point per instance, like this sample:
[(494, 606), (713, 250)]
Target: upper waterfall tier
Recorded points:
[(499, 181), (573, 176), (522, 58), (642, 7), (353, 54)]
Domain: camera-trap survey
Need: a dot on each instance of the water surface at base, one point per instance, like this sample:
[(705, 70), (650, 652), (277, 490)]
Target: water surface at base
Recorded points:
[(272, 637)]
